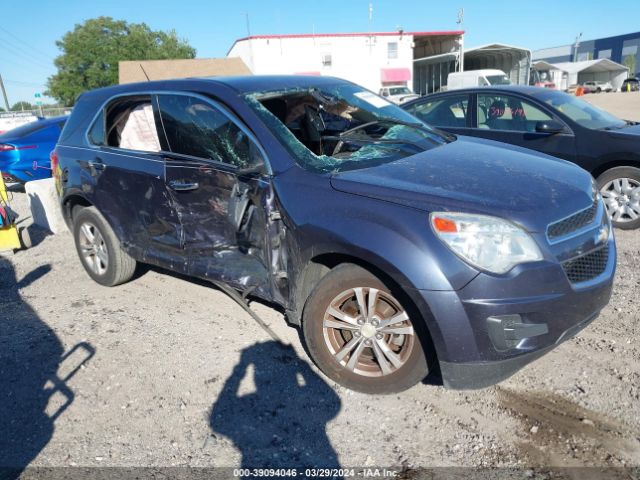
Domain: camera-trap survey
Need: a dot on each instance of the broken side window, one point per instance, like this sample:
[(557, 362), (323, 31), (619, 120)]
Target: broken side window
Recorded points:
[(130, 124), (196, 128)]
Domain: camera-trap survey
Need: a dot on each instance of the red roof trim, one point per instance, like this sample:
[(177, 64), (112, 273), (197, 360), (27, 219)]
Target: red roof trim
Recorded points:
[(352, 34)]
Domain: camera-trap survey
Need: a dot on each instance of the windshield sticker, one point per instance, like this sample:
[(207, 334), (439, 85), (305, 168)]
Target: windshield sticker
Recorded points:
[(372, 99)]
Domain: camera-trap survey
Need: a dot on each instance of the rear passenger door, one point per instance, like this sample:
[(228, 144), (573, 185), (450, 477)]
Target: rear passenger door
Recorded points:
[(448, 112), (221, 209), (125, 173), (513, 119)]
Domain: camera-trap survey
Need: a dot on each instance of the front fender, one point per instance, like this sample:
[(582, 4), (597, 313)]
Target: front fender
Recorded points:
[(396, 239)]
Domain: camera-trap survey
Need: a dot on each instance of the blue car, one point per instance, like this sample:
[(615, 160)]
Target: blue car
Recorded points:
[(395, 248), (24, 151)]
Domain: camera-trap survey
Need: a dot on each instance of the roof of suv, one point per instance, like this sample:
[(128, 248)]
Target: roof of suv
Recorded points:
[(242, 84)]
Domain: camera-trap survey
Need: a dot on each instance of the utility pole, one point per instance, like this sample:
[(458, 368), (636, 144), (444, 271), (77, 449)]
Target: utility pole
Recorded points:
[(4, 94), (575, 47), (460, 23)]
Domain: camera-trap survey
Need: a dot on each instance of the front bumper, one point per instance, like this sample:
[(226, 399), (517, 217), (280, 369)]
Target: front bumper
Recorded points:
[(548, 309), (475, 375)]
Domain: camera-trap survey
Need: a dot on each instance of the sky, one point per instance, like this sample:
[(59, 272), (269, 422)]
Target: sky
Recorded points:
[(30, 28)]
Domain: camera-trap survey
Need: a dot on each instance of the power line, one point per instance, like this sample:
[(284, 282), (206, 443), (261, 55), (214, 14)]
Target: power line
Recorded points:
[(22, 53), (35, 50), (25, 84), (26, 62)]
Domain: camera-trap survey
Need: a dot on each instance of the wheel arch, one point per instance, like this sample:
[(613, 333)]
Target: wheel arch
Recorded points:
[(69, 203), (600, 169), (321, 264)]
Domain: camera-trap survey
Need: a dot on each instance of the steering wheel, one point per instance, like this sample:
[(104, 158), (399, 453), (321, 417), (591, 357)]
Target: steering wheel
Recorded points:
[(340, 143)]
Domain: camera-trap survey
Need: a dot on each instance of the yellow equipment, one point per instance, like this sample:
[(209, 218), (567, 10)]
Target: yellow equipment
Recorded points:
[(9, 235)]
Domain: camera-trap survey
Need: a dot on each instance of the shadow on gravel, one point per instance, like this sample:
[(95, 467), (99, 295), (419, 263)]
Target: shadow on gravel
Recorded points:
[(32, 394), (281, 423)]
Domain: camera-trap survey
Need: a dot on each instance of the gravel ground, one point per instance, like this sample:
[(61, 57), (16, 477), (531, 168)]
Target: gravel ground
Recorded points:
[(623, 104), (166, 371)]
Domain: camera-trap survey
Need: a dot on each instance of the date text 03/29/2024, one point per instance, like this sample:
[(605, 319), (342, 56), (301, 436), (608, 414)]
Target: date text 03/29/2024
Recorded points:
[(316, 472)]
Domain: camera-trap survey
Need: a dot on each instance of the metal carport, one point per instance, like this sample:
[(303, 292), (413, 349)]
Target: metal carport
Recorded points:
[(513, 61), (602, 69)]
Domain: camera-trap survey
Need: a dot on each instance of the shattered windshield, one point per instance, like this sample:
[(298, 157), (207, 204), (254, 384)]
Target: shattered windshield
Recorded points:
[(342, 127)]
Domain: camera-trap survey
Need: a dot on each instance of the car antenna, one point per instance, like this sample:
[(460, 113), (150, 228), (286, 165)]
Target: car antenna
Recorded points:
[(145, 73)]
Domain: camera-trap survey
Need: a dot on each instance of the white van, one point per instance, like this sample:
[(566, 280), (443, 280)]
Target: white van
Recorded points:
[(477, 78)]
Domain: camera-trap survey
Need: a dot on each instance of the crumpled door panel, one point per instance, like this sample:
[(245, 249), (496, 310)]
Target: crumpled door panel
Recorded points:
[(223, 221)]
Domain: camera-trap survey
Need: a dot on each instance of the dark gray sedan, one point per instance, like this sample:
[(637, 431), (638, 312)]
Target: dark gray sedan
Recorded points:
[(554, 123)]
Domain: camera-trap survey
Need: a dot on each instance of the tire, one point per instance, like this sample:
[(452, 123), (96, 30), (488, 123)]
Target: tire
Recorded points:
[(338, 289), (620, 189), (99, 248)]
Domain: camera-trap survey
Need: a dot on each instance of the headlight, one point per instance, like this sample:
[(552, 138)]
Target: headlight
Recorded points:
[(595, 191), (488, 243)]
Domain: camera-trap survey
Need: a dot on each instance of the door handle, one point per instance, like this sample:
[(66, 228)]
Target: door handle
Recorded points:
[(97, 165), (181, 186)]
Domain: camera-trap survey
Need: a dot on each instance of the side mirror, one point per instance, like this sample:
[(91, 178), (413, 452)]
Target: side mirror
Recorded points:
[(549, 126)]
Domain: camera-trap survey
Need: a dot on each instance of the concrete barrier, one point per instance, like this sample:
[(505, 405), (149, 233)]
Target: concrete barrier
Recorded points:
[(45, 205)]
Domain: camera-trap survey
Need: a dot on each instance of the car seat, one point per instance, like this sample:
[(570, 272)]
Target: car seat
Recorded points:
[(518, 117)]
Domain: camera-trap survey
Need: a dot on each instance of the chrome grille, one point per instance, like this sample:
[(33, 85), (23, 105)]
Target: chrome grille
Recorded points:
[(572, 223), (587, 266)]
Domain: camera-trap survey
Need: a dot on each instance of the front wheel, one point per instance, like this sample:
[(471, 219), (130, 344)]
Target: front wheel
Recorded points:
[(361, 336), (620, 189)]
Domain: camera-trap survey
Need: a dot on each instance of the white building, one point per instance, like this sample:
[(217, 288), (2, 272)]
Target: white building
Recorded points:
[(368, 59)]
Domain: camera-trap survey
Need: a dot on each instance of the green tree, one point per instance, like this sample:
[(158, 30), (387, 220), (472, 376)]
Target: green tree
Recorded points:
[(22, 105), (92, 50), (630, 62)]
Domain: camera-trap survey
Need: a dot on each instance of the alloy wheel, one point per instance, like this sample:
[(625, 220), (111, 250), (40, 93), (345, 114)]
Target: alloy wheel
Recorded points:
[(93, 248), (622, 199), (368, 332)]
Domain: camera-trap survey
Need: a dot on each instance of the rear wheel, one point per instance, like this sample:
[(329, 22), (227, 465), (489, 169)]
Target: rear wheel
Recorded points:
[(620, 189), (360, 335), (99, 248)]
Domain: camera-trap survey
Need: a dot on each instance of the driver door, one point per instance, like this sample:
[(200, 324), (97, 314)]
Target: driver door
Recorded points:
[(221, 209)]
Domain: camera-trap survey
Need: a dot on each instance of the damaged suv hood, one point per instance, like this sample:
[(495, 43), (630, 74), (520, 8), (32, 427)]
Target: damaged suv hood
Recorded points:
[(478, 176)]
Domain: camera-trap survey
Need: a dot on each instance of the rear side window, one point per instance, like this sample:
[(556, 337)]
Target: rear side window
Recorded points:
[(27, 129), (96, 134), (196, 128), (130, 123), (450, 111)]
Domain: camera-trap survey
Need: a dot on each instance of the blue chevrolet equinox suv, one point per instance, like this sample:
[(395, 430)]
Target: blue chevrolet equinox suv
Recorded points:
[(395, 248)]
